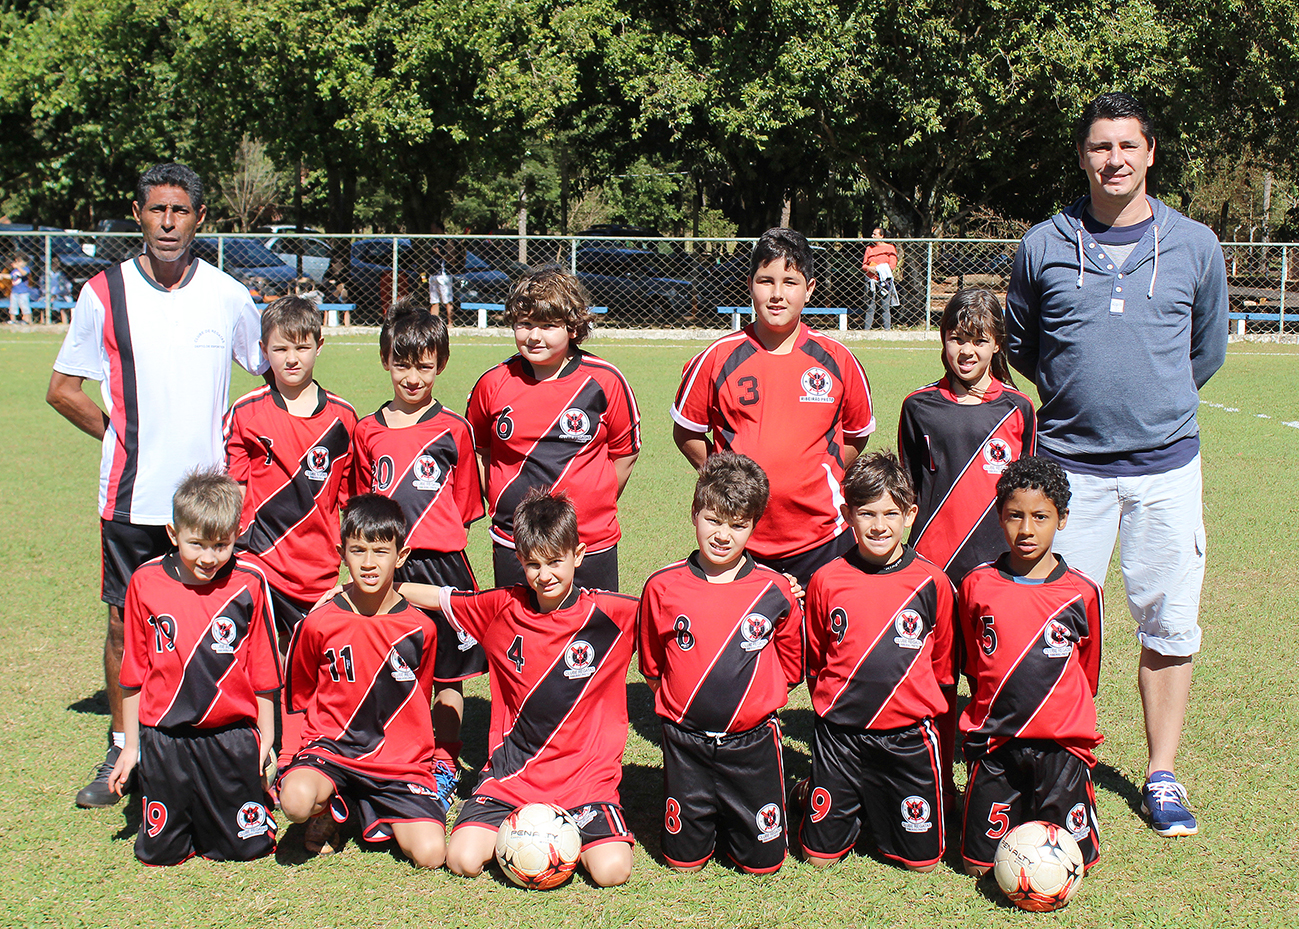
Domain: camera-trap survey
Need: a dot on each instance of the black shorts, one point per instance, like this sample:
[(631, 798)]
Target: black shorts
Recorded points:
[(599, 822), (1024, 780), (379, 802), (289, 611), (598, 570), (885, 780), (203, 795), (729, 788), (804, 565), (459, 657), (126, 546)]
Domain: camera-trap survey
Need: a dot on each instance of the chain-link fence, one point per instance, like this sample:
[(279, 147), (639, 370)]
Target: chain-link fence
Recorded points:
[(634, 282)]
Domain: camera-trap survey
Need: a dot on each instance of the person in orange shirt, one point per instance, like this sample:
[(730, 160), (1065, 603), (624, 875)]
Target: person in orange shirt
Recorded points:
[(879, 285)]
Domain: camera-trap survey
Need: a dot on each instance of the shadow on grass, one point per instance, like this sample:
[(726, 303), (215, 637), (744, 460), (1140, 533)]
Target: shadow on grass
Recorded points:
[(1111, 779), (132, 816), (640, 712), (96, 704)]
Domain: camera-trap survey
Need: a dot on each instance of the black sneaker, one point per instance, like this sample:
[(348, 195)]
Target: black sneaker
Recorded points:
[(96, 793)]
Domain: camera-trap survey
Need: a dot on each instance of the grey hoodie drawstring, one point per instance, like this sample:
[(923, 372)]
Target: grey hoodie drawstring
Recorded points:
[(1078, 232), (1154, 274)]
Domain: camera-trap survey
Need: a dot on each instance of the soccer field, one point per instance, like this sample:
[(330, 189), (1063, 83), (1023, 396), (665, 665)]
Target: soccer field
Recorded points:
[(68, 867)]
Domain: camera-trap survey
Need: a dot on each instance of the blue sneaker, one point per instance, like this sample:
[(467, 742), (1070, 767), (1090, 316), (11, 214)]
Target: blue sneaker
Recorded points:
[(1164, 801), (448, 776)]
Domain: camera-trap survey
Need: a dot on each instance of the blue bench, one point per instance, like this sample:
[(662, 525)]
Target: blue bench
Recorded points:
[(485, 308), (39, 304), (331, 311), (840, 311), (1242, 318)]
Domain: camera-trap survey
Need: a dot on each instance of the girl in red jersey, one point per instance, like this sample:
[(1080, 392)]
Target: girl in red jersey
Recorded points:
[(957, 435)]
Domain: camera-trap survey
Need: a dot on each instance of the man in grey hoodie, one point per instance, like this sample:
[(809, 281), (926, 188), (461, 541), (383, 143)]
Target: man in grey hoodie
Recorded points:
[(1117, 310)]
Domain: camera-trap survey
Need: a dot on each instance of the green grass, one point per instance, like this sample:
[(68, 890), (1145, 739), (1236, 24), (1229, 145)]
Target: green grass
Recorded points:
[(68, 867)]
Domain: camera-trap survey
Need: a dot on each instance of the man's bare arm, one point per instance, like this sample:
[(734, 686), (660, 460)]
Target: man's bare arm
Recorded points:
[(74, 405)]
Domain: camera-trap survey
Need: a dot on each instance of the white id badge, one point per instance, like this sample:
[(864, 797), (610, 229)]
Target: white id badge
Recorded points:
[(1116, 306)]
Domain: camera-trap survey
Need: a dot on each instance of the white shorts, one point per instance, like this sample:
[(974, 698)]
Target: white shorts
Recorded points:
[(439, 288), (1159, 522)]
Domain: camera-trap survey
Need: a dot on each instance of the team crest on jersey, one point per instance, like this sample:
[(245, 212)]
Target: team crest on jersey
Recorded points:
[(580, 658), (584, 816), (996, 455), (400, 670), (1058, 643), (209, 338), (1077, 822), (428, 474), (768, 820), (420, 790), (466, 641), (817, 384), (910, 627), (252, 820), (915, 814), (318, 463), (756, 631), (575, 425), (223, 635)]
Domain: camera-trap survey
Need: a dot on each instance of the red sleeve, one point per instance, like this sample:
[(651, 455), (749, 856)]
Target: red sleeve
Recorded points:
[(815, 623), (467, 489), (789, 639), (360, 477), (238, 461), (652, 654), (135, 659), (694, 402), (858, 417), (472, 612), (965, 634), (944, 656), (263, 657), (301, 667), (479, 414), (1090, 647), (622, 419)]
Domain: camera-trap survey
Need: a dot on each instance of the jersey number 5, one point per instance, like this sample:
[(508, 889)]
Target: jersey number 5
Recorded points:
[(988, 637)]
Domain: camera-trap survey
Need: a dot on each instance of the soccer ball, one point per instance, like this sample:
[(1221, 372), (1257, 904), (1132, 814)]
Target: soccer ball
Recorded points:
[(1039, 866), (538, 845)]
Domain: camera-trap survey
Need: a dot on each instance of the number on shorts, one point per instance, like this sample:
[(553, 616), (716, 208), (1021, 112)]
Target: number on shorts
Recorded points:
[(685, 638), (820, 804), (988, 637), (515, 653), (672, 817), (155, 817), (999, 821), (345, 655), (838, 623)]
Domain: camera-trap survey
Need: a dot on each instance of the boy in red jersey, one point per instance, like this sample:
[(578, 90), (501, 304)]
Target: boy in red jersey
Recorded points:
[(289, 443), (721, 644), (1032, 630), (558, 656), (361, 667), (881, 669), (420, 454), (199, 674), (796, 401), (556, 417)]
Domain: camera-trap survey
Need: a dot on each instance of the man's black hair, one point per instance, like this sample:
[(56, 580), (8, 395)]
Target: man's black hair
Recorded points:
[(170, 175), (1114, 106), (1035, 473)]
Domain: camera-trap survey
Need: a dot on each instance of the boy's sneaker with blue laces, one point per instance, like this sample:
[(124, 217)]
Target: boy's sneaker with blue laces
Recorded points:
[(448, 776), (1164, 801)]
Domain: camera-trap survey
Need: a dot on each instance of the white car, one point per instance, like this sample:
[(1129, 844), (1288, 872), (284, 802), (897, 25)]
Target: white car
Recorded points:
[(313, 252)]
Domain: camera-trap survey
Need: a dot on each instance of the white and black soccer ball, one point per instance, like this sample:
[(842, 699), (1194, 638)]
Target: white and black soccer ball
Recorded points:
[(538, 846), (1039, 866)]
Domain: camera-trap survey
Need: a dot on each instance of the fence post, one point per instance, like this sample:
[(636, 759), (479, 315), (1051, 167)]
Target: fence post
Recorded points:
[(929, 280), (394, 272), (221, 252), (1285, 275), (572, 254), (49, 304)]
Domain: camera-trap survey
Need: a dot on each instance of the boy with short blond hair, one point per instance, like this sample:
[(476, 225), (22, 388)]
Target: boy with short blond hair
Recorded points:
[(1032, 630), (793, 399), (881, 670), (721, 644), (361, 667), (199, 674), (420, 454), (558, 656)]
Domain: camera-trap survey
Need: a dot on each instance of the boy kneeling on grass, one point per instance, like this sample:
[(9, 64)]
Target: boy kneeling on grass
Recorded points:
[(558, 658), (199, 674), (361, 667)]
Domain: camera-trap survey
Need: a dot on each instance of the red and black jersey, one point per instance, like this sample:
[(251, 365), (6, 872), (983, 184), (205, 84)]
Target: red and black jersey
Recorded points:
[(725, 655), (559, 691), (791, 414), (366, 685), (955, 453), (201, 654), (429, 468), (295, 471), (563, 433), (880, 641), (1033, 656)]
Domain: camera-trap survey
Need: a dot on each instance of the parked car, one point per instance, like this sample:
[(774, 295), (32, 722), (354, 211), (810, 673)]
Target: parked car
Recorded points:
[(245, 259), (371, 281), (632, 284), (284, 229), (306, 255), (76, 264), (115, 247)]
